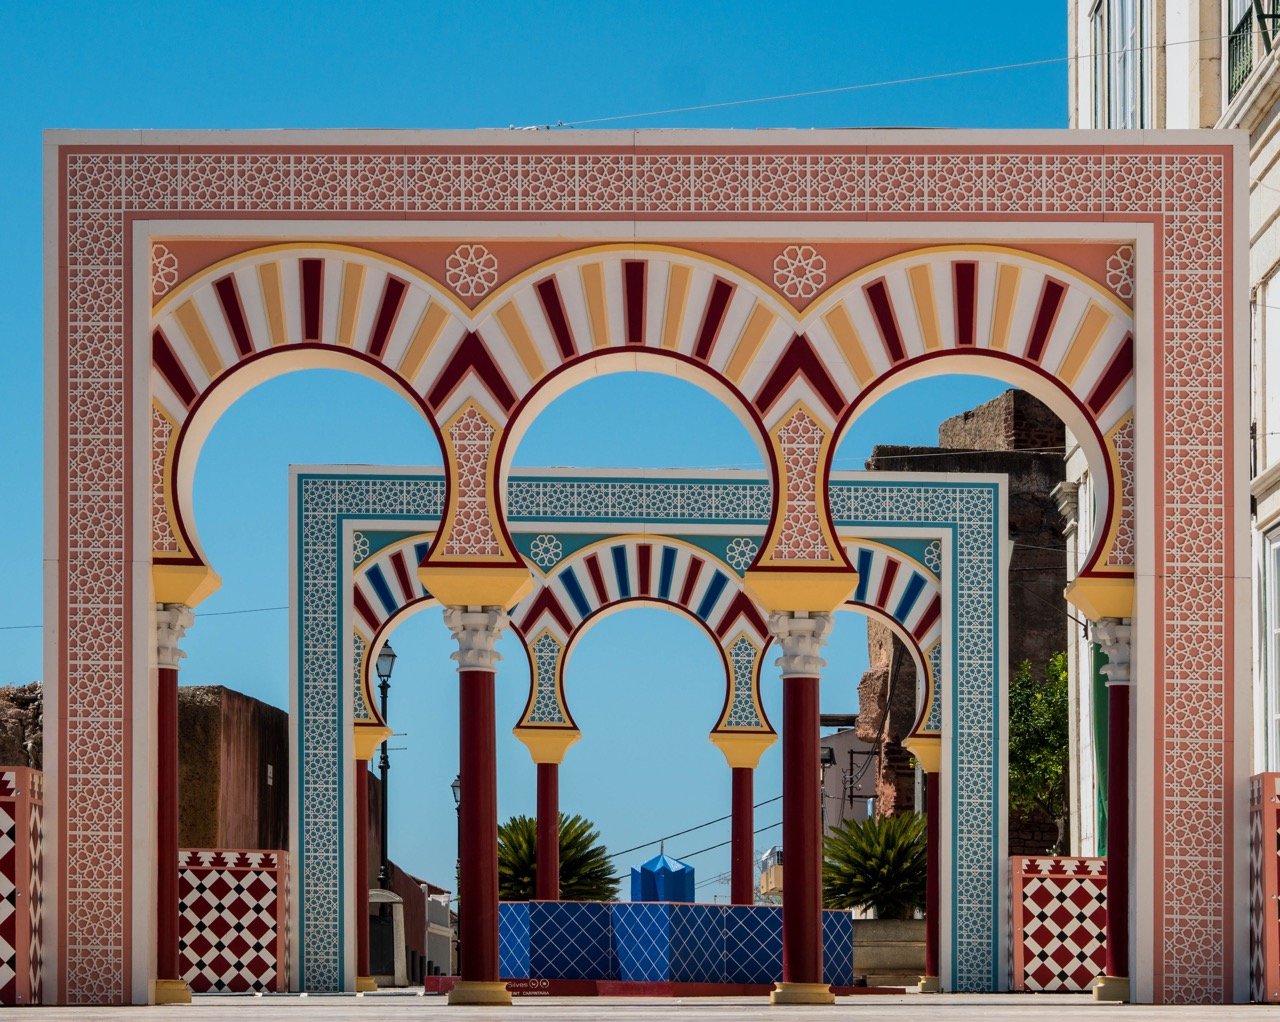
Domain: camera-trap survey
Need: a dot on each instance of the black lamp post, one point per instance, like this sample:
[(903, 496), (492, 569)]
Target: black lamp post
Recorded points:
[(386, 661), (456, 788)]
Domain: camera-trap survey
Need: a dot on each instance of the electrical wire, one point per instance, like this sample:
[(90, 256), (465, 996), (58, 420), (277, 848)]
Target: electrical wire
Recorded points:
[(690, 830)]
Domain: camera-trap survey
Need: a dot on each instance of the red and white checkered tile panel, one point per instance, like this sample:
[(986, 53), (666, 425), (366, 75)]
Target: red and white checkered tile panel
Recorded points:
[(1059, 923), (21, 792), (232, 920), (1264, 888)]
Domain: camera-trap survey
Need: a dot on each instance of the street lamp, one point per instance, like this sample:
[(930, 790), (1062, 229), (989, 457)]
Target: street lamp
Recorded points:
[(385, 662), (456, 788), (826, 759)]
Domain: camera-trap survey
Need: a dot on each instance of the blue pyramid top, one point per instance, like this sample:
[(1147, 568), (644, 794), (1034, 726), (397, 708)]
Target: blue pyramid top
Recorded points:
[(662, 878)]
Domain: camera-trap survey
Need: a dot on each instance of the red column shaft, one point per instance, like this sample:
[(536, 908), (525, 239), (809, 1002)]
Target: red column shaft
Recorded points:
[(548, 883), (478, 828), (362, 867), (1118, 830), (742, 862), (932, 892), (167, 825), (801, 834)]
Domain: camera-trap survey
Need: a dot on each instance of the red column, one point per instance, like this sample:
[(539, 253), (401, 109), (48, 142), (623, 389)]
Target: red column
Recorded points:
[(478, 829), (932, 901), (801, 833), (362, 868), (548, 883), (167, 825), (1117, 829), (742, 881)]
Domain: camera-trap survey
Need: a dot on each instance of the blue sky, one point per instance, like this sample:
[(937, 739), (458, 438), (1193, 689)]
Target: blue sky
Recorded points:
[(645, 686)]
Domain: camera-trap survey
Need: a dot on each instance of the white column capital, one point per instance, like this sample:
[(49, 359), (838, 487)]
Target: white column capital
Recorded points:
[(172, 622), (1114, 635), (476, 630), (801, 635)]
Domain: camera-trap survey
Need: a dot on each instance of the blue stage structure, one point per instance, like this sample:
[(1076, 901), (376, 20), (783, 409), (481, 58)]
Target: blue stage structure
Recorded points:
[(662, 878)]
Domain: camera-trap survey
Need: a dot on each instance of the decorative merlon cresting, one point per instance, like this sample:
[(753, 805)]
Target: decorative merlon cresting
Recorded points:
[(801, 636), (476, 630), (172, 622), (1113, 635)]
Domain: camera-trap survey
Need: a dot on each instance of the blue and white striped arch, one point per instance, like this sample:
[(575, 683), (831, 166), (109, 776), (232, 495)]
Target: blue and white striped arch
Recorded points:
[(349, 525)]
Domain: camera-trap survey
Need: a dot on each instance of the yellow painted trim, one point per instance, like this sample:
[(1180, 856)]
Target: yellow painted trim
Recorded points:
[(546, 744), (592, 275), (192, 323), (927, 751), (1101, 596), (1007, 278), (349, 303), (482, 992), (425, 335), (367, 738), (801, 993), (273, 299), (1090, 330), (753, 334), (521, 340), (188, 584), (677, 302), (850, 344), (816, 591), (170, 991), (921, 280), (743, 748), (365, 984), (478, 585)]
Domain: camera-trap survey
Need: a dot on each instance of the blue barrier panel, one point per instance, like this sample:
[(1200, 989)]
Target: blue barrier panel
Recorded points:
[(697, 943), (570, 940), (837, 948), (752, 943), (513, 940), (642, 940)]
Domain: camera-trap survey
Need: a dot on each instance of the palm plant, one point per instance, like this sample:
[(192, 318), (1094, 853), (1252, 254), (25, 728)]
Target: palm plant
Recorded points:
[(876, 864), (586, 874)]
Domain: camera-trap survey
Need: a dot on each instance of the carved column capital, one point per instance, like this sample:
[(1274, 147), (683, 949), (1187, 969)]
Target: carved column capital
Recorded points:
[(1114, 635), (172, 622), (1067, 496), (801, 636), (476, 630)]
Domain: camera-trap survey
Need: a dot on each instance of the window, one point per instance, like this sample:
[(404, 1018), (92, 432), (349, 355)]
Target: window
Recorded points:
[(1098, 46), (1239, 44), (1125, 92), (1271, 646)]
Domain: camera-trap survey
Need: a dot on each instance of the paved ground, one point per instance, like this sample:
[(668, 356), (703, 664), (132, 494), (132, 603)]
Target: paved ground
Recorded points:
[(878, 1008)]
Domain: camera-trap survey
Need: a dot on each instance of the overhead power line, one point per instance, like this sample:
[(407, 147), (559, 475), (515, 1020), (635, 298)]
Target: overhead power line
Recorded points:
[(690, 830)]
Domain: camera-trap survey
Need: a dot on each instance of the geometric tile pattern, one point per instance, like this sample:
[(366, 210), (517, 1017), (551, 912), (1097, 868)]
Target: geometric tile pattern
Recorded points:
[(1185, 194), (1059, 923), (21, 885), (232, 920), (725, 504), (1264, 888), (658, 942)]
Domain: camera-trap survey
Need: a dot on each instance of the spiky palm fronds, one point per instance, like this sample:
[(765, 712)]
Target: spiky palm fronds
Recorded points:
[(586, 873), (877, 864)]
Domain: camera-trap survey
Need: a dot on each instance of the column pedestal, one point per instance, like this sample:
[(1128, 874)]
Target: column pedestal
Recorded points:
[(477, 630), (547, 887), (1113, 635), (172, 621), (801, 637)]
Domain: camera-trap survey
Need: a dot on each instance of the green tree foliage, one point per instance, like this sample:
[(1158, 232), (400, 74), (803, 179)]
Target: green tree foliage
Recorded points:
[(1039, 746), (877, 864), (586, 874)]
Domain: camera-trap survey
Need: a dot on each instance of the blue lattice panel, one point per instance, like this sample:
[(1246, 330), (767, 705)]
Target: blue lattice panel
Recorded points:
[(513, 940), (837, 948), (752, 943), (697, 943), (570, 940), (642, 940)]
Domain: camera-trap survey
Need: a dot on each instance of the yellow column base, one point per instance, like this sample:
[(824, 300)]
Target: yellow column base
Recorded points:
[(364, 984), (1112, 988), (801, 993), (170, 991), (930, 985), (472, 991)]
